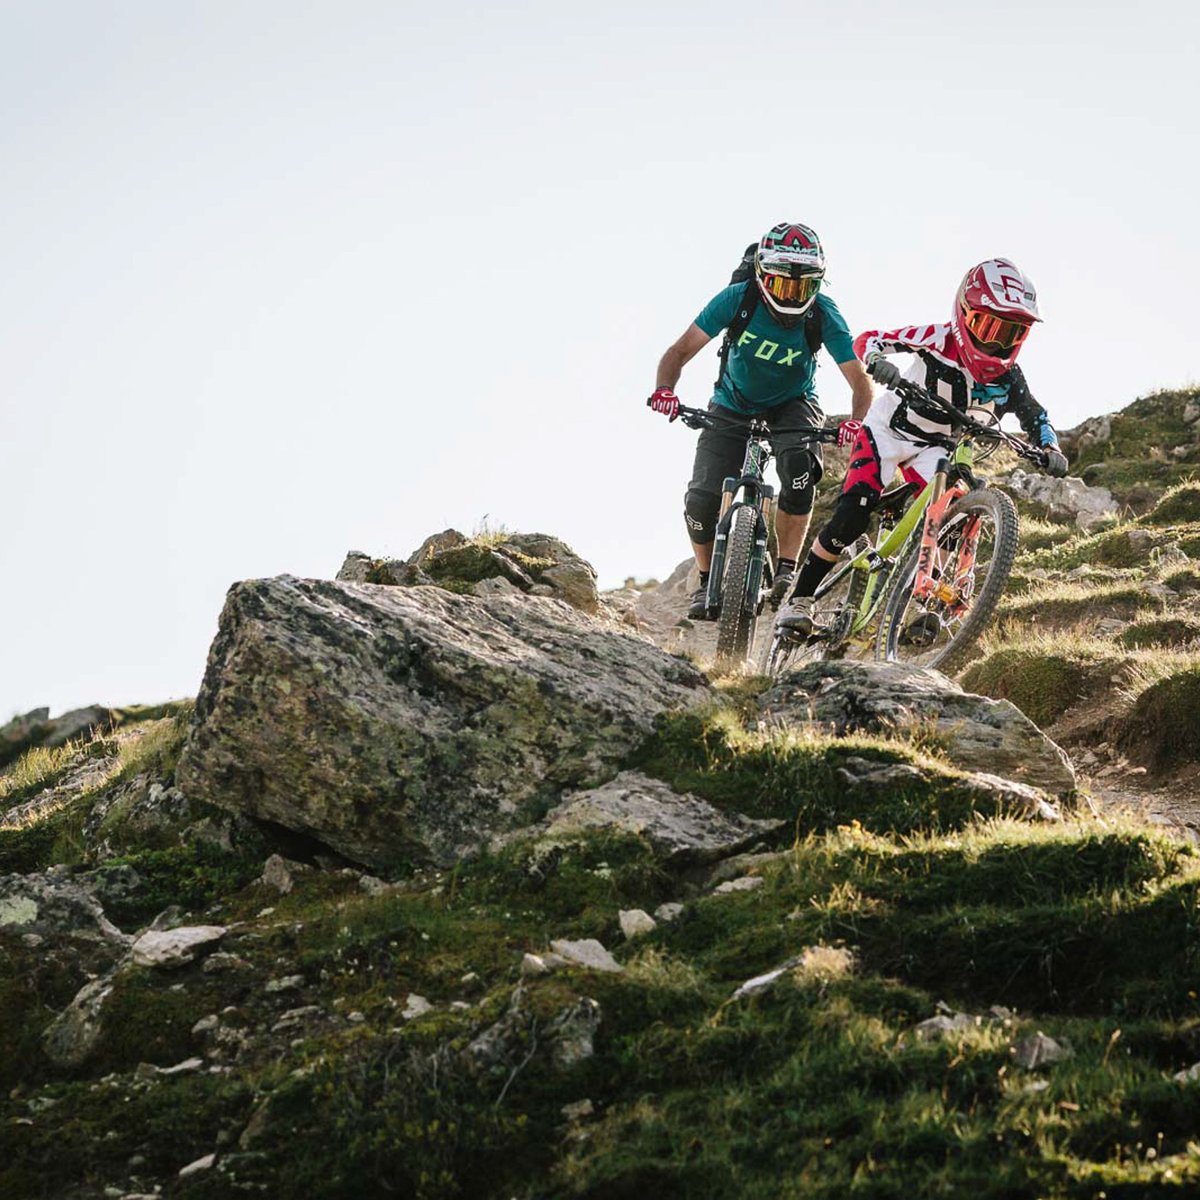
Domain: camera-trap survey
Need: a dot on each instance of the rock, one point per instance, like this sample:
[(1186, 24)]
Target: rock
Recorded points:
[(356, 567), (54, 908), (187, 1067), (747, 883), (71, 1037), (415, 1006), (297, 1016), (1188, 1074), (22, 732), (1038, 1050), (634, 922), (411, 722), (848, 697), (77, 723), (448, 539), (194, 1168), (1015, 799), (1191, 412), (944, 1025), (580, 1110), (682, 829), (277, 875), (572, 578), (174, 947), (221, 961), (760, 983), (205, 1025), (496, 586), (1107, 627), (572, 1033), (668, 911), (1068, 499), (586, 952), (1095, 431), (288, 983)]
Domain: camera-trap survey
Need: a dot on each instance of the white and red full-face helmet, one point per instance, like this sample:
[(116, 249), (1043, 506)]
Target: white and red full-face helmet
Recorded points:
[(789, 267), (994, 310)]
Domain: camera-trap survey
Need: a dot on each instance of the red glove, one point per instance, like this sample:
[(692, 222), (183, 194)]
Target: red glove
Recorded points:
[(666, 402), (848, 431)]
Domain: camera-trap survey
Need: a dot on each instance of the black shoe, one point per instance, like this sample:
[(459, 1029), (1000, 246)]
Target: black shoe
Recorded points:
[(698, 606), (780, 588)]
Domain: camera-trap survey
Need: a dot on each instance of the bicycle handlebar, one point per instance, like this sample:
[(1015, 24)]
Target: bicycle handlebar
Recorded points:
[(701, 418), (907, 390)]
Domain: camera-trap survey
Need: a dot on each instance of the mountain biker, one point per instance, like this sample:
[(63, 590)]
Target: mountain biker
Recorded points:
[(970, 361), (768, 374)]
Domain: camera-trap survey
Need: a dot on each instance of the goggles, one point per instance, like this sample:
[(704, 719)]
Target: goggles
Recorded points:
[(989, 330), (792, 291)]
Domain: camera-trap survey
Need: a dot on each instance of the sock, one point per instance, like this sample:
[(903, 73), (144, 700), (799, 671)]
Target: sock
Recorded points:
[(814, 570), (704, 579), (786, 566)]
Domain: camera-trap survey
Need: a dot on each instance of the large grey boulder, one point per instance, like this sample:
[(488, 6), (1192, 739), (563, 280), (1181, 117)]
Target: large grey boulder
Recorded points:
[(52, 908), (979, 734), (412, 723), (1068, 499), (681, 829)]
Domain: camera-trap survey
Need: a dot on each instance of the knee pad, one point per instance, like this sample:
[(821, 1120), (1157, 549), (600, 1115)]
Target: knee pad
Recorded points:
[(850, 519), (799, 472), (700, 511)]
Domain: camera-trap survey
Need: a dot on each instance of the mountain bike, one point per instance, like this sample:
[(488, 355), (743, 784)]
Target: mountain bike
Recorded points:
[(937, 566), (742, 570)]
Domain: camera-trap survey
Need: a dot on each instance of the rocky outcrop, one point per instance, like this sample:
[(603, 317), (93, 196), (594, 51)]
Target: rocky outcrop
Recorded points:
[(1068, 499), (682, 829), (38, 728), (412, 723), (975, 731), (532, 563)]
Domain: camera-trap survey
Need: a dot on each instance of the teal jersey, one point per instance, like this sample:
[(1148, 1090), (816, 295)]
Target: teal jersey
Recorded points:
[(770, 364)]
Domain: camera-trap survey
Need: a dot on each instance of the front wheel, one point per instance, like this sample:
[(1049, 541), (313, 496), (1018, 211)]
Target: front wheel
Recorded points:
[(833, 615), (972, 559), (739, 610)]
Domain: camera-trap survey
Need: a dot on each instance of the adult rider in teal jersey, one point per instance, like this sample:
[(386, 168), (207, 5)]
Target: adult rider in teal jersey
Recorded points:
[(768, 374)]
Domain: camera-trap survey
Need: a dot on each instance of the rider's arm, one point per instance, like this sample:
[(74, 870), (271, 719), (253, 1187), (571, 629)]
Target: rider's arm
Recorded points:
[(860, 388), (683, 351), (893, 341), (1035, 421)]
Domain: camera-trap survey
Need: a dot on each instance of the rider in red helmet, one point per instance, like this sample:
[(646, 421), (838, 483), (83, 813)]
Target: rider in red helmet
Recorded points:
[(970, 361)]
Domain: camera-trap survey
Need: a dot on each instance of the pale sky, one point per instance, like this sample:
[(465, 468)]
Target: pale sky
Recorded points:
[(281, 280)]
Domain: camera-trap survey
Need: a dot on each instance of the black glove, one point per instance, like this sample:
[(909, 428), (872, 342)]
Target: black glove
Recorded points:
[(1056, 462), (883, 371)]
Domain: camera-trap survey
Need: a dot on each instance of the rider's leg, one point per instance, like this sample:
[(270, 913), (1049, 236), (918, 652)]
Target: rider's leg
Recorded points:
[(799, 466), (861, 489), (719, 454)]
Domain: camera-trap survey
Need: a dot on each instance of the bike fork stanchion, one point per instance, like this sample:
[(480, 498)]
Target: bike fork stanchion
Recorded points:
[(716, 569), (754, 582)]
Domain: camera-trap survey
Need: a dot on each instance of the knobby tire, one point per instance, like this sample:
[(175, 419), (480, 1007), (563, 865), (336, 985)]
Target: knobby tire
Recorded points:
[(1000, 509), (735, 629)]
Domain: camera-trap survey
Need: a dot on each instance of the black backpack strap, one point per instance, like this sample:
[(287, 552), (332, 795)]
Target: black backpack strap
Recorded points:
[(814, 330), (734, 330)]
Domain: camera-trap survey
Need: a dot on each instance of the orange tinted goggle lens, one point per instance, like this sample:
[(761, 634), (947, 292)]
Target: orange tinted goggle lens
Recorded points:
[(991, 330), (794, 291)]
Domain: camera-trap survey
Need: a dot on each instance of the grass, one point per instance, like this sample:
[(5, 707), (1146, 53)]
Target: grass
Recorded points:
[(1178, 505), (1161, 729), (1057, 604)]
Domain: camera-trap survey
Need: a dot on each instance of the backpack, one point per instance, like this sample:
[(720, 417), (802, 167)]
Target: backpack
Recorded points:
[(744, 273)]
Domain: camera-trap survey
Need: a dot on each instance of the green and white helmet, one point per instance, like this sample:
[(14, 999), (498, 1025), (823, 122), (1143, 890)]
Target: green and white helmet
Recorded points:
[(789, 267)]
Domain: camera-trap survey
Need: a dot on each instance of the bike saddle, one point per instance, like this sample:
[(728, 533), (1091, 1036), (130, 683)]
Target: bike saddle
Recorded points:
[(891, 503)]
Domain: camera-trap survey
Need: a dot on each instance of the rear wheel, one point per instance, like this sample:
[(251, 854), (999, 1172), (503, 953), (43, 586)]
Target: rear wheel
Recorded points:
[(739, 611), (833, 614), (972, 559)]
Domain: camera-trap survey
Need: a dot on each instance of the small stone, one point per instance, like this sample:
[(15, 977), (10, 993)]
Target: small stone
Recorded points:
[(174, 947), (587, 952), (356, 1018), (459, 1005), (288, 983), (205, 1025), (1034, 1086), (32, 940), (276, 875), (1188, 1075), (265, 912), (747, 883), (668, 912), (533, 965), (635, 922), (183, 1068), (201, 1164), (297, 1016), (580, 1110), (760, 983), (943, 1025), (415, 1006), (374, 886), (1038, 1050), (223, 961), (471, 981)]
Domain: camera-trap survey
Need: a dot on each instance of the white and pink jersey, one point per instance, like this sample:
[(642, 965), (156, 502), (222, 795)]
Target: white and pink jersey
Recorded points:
[(938, 367)]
